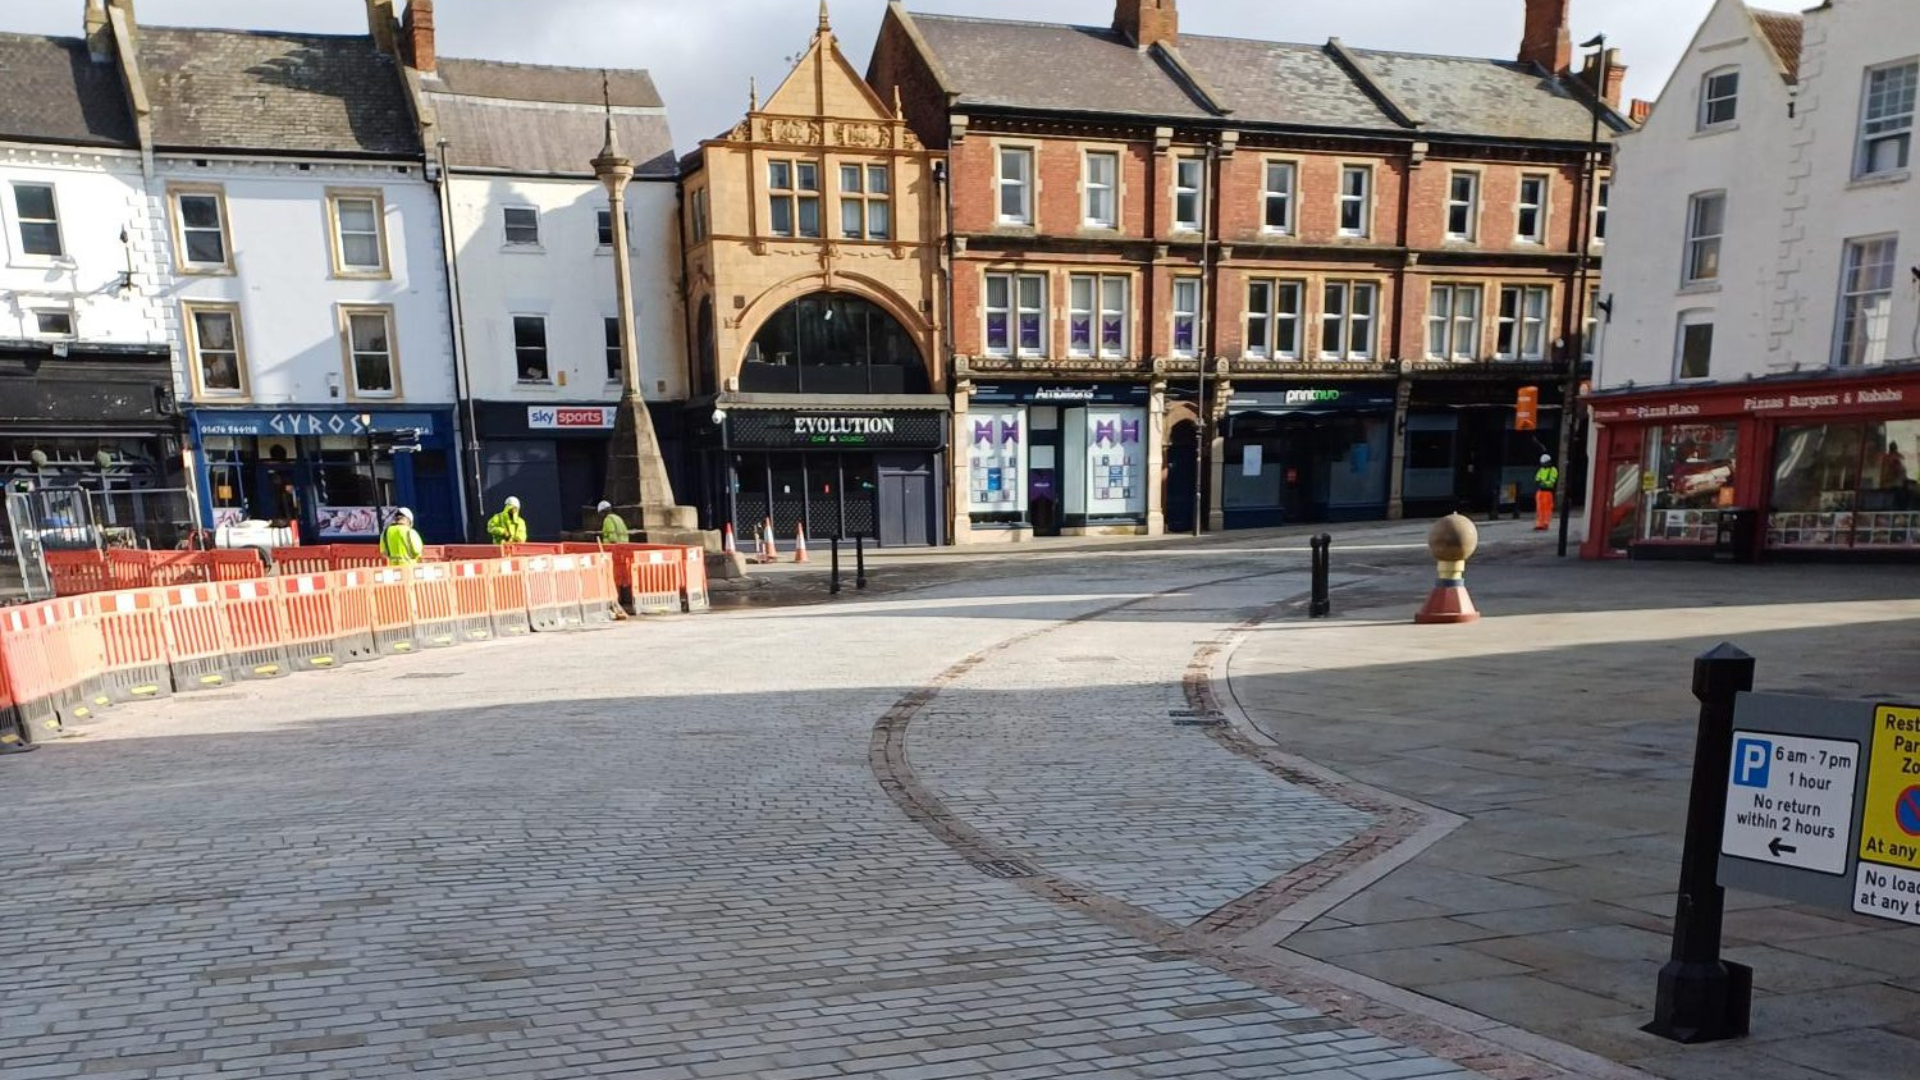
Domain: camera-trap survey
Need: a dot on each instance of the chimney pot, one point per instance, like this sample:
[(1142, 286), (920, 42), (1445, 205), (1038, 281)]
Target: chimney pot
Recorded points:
[(380, 24), (416, 29), (1147, 22), (1548, 38)]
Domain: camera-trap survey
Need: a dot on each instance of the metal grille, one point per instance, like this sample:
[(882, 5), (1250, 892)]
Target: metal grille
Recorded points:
[(863, 517)]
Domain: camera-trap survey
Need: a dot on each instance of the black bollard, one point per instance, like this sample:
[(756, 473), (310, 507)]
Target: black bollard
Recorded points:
[(834, 587), (859, 562), (1321, 606), (1702, 998)]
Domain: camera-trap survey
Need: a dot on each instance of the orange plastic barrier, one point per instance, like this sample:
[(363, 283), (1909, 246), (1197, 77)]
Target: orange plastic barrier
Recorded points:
[(73, 650), (599, 596), (535, 549), (566, 590), (133, 640), (353, 615), (76, 573), (310, 619), (13, 737), (507, 597), (472, 600), (302, 560), (392, 596), (694, 588), (543, 601), (29, 671), (237, 565), (434, 622), (355, 556), (196, 637), (654, 576), (460, 552), (256, 637)]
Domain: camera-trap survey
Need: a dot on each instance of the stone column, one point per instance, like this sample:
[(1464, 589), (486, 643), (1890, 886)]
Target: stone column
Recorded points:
[(1397, 449), (961, 481), (1215, 412), (1156, 457)]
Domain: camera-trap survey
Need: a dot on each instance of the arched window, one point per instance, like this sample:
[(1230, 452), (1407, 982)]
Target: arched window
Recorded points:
[(833, 343)]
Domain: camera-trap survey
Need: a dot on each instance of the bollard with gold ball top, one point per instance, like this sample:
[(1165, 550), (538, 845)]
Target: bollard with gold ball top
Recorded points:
[(1452, 541)]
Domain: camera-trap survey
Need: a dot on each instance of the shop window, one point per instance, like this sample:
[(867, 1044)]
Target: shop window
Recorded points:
[(1846, 485), (1186, 317), (1453, 322), (1279, 197), (793, 198), (1098, 316), (1347, 320), (1706, 221), (374, 364), (1886, 119), (1189, 184), (833, 343), (1692, 470), (1523, 323), (530, 349), (610, 326), (200, 231), (866, 207), (1694, 351), (1016, 313), (1100, 185), (1866, 301), (359, 243), (1273, 319), (1430, 449), (39, 219), (1463, 206), (522, 225), (1356, 200), (215, 345)]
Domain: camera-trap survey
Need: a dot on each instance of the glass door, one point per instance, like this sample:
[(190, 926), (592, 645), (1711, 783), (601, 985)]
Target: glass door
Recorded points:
[(1623, 507)]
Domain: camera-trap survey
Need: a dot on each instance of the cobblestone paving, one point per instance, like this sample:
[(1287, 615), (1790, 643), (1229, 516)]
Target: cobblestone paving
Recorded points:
[(1086, 773), (655, 852)]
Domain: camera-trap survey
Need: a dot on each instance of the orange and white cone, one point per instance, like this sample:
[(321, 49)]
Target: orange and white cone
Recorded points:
[(767, 551), (799, 543), (727, 532)]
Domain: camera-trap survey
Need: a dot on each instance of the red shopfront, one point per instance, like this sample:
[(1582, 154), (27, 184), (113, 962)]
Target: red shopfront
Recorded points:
[(1832, 465)]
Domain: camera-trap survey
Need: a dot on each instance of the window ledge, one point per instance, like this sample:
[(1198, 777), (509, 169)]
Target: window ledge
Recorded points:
[(44, 262), (1700, 288), (1716, 129), (1882, 179), (531, 384), (523, 249)]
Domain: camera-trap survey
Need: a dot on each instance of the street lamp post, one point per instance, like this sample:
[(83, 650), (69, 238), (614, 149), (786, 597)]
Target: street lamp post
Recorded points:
[(637, 481), (1589, 200)]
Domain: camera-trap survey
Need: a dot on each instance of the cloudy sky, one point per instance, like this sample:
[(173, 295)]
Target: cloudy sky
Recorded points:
[(702, 52)]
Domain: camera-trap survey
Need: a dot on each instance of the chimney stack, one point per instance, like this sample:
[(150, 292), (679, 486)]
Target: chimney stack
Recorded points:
[(417, 31), (1608, 92), (99, 32), (1639, 111), (1148, 22), (380, 24), (1548, 39)]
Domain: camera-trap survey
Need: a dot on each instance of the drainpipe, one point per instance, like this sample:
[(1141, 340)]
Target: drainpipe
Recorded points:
[(1210, 227), (476, 498)]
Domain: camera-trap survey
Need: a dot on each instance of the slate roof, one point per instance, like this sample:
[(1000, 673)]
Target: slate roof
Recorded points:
[(274, 92), (545, 121), (1047, 66), (1783, 31), (52, 91), (1020, 64)]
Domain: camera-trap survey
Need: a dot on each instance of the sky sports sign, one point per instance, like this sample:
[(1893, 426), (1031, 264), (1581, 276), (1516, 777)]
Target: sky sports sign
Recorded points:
[(575, 418)]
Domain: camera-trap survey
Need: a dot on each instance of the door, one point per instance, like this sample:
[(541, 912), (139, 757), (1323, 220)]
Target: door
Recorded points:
[(1182, 468), (529, 469), (906, 501), (1623, 507)]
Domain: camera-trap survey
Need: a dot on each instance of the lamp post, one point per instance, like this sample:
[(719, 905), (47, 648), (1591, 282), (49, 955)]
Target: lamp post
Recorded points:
[(637, 481), (1589, 199)]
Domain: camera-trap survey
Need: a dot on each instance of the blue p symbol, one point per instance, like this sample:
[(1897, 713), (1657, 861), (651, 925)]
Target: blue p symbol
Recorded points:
[(1752, 762)]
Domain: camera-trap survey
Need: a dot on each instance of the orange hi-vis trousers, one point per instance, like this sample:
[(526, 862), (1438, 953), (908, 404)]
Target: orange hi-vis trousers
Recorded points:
[(1542, 509)]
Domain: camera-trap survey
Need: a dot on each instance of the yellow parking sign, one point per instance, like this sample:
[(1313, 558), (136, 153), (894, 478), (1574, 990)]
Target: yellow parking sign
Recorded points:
[(1890, 820)]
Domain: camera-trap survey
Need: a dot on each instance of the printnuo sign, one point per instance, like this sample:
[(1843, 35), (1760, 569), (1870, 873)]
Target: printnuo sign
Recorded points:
[(1791, 801)]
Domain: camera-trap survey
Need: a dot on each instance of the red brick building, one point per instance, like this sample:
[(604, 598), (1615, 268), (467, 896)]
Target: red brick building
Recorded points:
[(1362, 256)]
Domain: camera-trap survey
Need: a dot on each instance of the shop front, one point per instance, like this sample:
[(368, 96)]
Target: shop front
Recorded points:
[(101, 418), (861, 466), (1052, 459), (1306, 453), (1463, 453), (1826, 466), (333, 471)]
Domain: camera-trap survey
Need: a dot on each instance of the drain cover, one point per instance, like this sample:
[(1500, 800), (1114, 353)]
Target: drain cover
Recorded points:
[(1004, 868)]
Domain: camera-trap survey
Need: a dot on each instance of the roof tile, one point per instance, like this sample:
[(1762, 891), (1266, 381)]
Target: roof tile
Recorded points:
[(51, 90)]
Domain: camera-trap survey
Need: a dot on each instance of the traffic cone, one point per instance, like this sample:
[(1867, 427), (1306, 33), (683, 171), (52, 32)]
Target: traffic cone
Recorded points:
[(728, 534), (767, 551), (799, 543)]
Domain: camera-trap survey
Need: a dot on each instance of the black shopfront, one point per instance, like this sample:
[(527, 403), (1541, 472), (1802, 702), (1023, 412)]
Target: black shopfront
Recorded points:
[(848, 468), (1463, 452), (1307, 452)]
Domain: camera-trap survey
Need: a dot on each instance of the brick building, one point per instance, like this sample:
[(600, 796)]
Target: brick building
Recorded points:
[(812, 239), (1352, 260)]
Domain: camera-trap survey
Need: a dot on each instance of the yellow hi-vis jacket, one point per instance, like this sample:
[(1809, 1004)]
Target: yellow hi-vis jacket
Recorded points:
[(400, 544), (1548, 478), (507, 527)]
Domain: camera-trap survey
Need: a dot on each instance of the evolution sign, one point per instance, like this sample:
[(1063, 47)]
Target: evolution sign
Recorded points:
[(1823, 804)]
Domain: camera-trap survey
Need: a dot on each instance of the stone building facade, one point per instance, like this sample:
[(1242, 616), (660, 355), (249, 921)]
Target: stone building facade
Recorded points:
[(815, 303)]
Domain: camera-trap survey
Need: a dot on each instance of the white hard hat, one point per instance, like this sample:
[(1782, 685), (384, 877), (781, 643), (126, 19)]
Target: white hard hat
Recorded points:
[(404, 512), (1546, 459), (604, 506), (513, 502)]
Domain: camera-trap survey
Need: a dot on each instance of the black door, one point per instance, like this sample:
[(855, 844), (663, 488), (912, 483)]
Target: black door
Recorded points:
[(529, 469), (1181, 470)]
